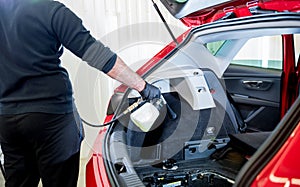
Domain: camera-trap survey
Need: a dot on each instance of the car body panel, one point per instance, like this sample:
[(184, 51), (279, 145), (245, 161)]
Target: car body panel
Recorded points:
[(283, 169), (96, 173), (289, 93), (259, 168)]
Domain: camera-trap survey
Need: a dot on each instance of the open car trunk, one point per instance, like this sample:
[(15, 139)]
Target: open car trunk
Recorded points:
[(190, 150), (207, 143), (184, 150)]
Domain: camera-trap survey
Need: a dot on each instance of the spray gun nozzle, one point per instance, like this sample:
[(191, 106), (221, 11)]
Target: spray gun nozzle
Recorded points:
[(135, 105)]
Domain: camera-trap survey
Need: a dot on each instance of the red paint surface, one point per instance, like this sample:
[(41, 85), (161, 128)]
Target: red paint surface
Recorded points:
[(284, 168), (96, 175)]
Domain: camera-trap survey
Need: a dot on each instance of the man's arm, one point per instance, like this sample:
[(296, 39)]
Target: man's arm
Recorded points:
[(72, 34), (122, 73)]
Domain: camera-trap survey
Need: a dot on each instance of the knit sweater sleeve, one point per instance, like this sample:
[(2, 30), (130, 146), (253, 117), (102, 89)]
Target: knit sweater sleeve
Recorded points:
[(70, 31)]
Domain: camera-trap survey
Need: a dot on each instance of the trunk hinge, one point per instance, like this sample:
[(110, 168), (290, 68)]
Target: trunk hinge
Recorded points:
[(255, 9), (229, 13)]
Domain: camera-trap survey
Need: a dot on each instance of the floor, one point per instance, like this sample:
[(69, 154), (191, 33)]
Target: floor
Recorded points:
[(81, 179), (1, 180)]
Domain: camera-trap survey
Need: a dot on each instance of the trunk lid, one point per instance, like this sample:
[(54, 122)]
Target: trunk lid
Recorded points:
[(197, 12)]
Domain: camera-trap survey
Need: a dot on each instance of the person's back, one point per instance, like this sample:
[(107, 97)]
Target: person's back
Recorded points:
[(40, 130)]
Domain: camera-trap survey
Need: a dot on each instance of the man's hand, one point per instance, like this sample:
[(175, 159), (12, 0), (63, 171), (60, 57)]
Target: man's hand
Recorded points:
[(150, 92)]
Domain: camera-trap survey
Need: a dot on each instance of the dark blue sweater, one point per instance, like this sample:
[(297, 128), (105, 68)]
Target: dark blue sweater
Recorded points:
[(32, 36)]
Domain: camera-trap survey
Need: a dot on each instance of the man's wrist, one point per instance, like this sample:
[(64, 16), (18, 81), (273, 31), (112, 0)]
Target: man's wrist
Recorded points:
[(141, 86)]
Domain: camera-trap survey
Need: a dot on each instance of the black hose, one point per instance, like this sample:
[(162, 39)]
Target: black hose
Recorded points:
[(101, 125), (135, 105), (125, 112)]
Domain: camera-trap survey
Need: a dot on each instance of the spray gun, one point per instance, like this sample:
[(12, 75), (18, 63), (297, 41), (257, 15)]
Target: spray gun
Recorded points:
[(151, 113), (144, 114)]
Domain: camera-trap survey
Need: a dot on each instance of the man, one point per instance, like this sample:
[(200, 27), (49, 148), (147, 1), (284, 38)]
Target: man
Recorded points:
[(40, 131)]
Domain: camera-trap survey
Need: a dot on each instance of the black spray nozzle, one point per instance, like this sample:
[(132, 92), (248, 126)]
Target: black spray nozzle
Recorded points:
[(171, 112)]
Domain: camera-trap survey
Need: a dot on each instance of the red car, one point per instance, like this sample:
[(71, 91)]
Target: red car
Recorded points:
[(230, 108)]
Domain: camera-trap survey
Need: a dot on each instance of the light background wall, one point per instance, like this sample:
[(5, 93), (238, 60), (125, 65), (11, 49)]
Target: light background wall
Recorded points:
[(133, 29)]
